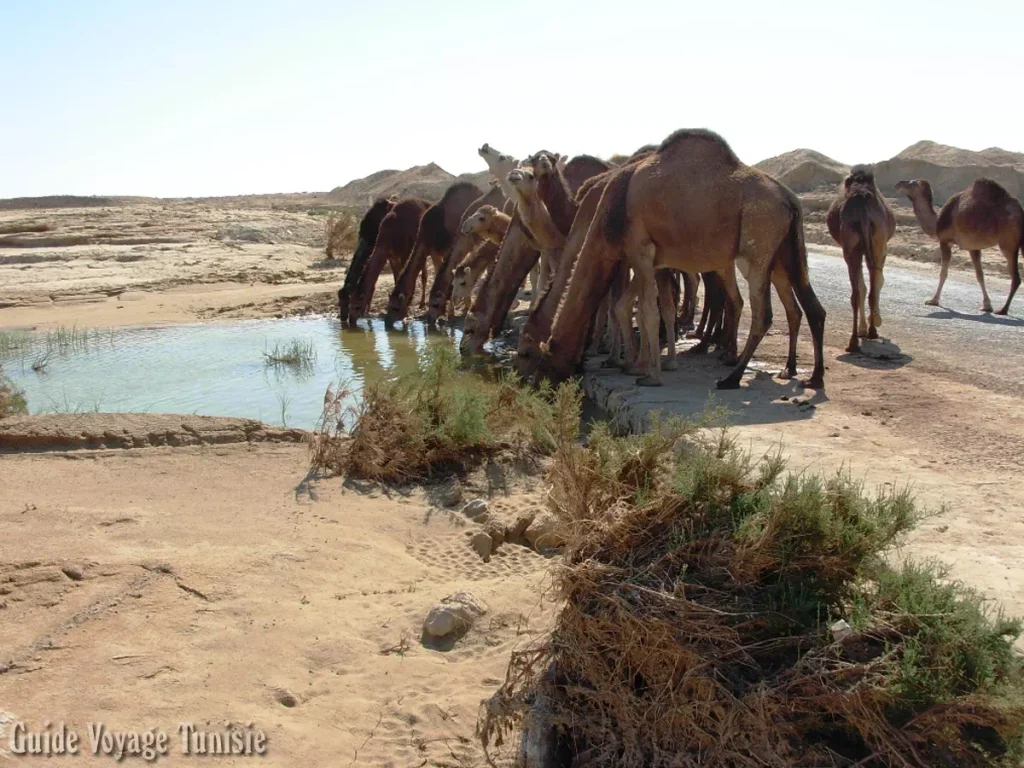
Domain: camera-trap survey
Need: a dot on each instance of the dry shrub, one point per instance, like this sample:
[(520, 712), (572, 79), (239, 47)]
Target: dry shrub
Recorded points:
[(436, 419), (700, 591), (12, 399), (341, 232)]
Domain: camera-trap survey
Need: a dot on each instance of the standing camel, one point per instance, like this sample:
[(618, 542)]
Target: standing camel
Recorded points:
[(981, 216), (368, 229), (691, 206), (862, 223)]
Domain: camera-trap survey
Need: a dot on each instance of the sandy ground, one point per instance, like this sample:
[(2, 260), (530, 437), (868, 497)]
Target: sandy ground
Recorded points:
[(221, 583)]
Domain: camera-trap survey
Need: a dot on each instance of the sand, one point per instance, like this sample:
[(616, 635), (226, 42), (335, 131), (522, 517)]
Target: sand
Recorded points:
[(153, 586)]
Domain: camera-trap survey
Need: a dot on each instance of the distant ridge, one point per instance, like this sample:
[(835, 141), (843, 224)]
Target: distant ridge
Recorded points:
[(426, 181), (804, 170)]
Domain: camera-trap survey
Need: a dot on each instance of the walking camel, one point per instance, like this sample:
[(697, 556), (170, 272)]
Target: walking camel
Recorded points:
[(982, 216), (862, 223)]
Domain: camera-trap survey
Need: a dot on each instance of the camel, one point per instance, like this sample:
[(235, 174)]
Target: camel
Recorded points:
[(435, 237), (516, 257), (368, 229), (491, 226), (862, 224), (538, 221), (499, 165), (538, 325), (465, 244), (982, 216), (691, 206), (394, 244)]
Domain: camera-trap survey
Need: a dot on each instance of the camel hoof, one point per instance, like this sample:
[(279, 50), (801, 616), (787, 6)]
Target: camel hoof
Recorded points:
[(728, 383), (787, 374), (1004, 311), (670, 365), (932, 303), (873, 333), (815, 382), (983, 308), (852, 348), (648, 381)]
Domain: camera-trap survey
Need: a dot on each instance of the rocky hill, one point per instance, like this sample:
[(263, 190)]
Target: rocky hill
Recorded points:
[(804, 170), (426, 181), (951, 169)]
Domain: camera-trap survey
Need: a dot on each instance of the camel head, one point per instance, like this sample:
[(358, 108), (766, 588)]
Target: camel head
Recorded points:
[(523, 181), (472, 342), (543, 165), (479, 221), (497, 161), (396, 309), (860, 175), (461, 285), (552, 364), (528, 355), (915, 189)]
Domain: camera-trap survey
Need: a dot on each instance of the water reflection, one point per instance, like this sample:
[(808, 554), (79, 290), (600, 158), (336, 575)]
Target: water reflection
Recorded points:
[(218, 368)]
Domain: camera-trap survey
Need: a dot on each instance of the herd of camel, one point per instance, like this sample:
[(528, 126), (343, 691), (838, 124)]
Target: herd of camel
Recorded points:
[(599, 239)]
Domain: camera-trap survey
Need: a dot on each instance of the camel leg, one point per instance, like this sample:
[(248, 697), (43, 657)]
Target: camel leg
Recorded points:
[(543, 274), (862, 320), (760, 322), (667, 305), (979, 273), (534, 282), (689, 310), (877, 281), (600, 326), (624, 318), (947, 254), (853, 266), (650, 317), (1014, 268), (784, 288), (618, 288), (733, 309)]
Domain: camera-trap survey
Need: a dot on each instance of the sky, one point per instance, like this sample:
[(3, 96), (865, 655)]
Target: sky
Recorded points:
[(187, 98)]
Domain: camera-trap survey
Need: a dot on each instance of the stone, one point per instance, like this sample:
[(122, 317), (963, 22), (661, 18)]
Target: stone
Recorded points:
[(453, 615), (73, 572), (545, 532), (497, 534), (453, 494), (475, 508), (515, 531), (483, 545)]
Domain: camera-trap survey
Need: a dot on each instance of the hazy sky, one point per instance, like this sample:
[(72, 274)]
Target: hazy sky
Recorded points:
[(222, 97)]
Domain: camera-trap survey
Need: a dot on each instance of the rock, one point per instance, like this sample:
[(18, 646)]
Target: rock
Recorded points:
[(453, 494), (453, 615), (73, 572), (545, 532), (497, 534), (515, 531), (841, 630), (286, 698), (483, 544), (475, 508)]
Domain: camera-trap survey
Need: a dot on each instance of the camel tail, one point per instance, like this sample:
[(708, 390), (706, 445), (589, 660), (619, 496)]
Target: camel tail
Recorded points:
[(614, 203), (794, 261)]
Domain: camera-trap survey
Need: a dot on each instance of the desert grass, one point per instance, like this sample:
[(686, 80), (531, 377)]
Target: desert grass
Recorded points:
[(12, 399), (719, 611), (296, 355), (341, 230), (436, 420)]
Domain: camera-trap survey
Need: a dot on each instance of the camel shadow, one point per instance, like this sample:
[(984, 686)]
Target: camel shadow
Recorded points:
[(982, 317), (877, 354)]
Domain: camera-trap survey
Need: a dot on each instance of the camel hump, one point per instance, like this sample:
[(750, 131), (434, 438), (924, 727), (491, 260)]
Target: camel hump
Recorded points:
[(989, 191), (461, 188), (691, 135), (617, 218)]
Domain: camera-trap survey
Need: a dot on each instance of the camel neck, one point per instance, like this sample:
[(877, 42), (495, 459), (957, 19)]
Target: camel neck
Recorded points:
[(926, 216)]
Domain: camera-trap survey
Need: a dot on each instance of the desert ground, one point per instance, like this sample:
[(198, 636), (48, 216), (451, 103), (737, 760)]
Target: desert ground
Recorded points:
[(146, 587)]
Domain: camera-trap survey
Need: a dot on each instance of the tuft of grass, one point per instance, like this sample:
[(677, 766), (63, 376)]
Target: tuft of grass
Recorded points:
[(438, 418), (298, 355), (12, 399), (341, 231), (701, 593)]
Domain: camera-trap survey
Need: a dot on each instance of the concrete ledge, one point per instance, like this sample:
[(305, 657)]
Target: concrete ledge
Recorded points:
[(92, 431)]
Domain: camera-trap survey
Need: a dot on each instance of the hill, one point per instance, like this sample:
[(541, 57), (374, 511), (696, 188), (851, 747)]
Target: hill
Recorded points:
[(426, 181), (951, 169), (804, 170)]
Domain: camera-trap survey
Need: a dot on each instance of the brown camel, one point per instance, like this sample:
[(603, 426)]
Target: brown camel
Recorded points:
[(436, 235), (691, 206), (982, 216), (862, 224), (490, 225), (465, 244), (538, 221), (538, 325), (368, 229), (395, 241), (516, 257)]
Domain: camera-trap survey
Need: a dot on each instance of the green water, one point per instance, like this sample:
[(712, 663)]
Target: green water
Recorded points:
[(216, 369)]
